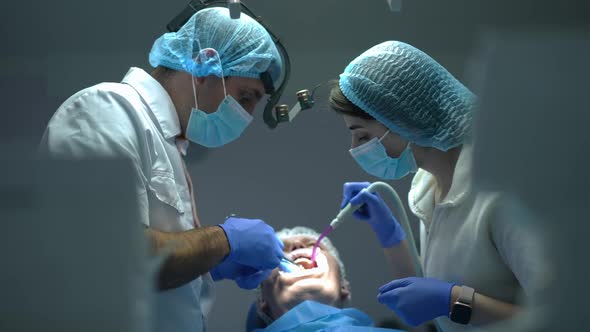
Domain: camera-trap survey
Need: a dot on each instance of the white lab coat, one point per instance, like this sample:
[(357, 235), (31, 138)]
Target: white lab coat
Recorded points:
[(136, 119), (478, 239)]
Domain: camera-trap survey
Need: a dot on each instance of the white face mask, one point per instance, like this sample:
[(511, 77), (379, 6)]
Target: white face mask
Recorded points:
[(373, 158), (223, 126)]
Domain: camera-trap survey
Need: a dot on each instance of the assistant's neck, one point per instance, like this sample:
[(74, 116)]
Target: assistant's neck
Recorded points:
[(442, 165)]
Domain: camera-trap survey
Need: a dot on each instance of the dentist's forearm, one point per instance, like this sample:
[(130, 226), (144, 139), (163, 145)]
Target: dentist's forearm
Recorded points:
[(400, 260), (194, 253)]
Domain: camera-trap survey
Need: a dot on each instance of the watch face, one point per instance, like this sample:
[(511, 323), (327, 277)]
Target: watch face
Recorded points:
[(461, 313)]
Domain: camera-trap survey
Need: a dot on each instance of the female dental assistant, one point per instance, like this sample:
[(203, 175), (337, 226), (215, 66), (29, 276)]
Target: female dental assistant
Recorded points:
[(407, 114)]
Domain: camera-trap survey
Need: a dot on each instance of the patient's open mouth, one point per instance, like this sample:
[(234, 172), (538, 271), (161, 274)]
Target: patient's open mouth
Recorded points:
[(304, 261), (302, 257)]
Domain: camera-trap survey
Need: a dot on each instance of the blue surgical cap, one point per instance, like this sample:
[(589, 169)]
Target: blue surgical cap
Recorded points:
[(411, 94), (244, 47)]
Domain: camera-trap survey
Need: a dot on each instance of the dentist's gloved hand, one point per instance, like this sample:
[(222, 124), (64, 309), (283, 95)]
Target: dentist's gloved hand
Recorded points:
[(375, 212), (245, 277), (252, 243), (417, 300)]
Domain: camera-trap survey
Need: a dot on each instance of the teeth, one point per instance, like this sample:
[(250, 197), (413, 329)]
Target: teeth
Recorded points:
[(302, 260), (302, 257), (305, 263)]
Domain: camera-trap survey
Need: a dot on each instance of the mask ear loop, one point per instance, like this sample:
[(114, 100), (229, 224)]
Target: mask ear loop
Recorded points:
[(194, 92), (198, 60), (222, 75), (387, 132)]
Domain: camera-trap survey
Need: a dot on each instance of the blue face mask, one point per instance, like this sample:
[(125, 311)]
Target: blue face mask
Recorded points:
[(216, 129), (373, 158)]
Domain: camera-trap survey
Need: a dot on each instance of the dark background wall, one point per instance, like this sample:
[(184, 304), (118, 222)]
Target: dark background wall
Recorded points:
[(289, 176)]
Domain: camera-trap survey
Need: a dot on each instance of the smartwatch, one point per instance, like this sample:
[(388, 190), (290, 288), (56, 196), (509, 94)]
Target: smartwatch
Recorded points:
[(461, 310)]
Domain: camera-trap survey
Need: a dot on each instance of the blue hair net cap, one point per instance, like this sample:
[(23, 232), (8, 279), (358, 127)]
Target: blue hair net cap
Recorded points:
[(411, 94), (243, 46)]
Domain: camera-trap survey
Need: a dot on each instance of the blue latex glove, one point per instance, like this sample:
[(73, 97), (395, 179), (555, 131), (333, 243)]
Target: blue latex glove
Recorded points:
[(375, 212), (417, 300), (245, 277), (252, 243)]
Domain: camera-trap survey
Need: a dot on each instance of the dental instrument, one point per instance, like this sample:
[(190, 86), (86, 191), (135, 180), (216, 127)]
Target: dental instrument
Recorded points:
[(383, 189), (288, 265)]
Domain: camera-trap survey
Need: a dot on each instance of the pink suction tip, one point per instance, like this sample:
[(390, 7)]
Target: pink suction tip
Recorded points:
[(317, 243)]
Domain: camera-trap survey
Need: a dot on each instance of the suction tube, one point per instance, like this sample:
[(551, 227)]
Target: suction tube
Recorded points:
[(383, 189)]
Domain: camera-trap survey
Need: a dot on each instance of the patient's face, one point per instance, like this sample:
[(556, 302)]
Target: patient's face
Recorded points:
[(320, 282)]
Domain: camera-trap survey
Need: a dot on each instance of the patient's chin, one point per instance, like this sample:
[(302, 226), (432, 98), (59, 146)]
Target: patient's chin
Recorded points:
[(317, 290), (313, 286), (285, 297)]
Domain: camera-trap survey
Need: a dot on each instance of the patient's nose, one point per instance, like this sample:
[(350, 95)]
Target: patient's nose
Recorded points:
[(294, 244)]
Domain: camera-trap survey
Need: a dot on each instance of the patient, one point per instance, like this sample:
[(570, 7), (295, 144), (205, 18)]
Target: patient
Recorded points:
[(310, 299)]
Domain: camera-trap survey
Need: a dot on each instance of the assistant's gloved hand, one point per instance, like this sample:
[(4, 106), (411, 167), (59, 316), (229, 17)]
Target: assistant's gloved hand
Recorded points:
[(252, 243), (417, 300), (245, 277), (375, 212)]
